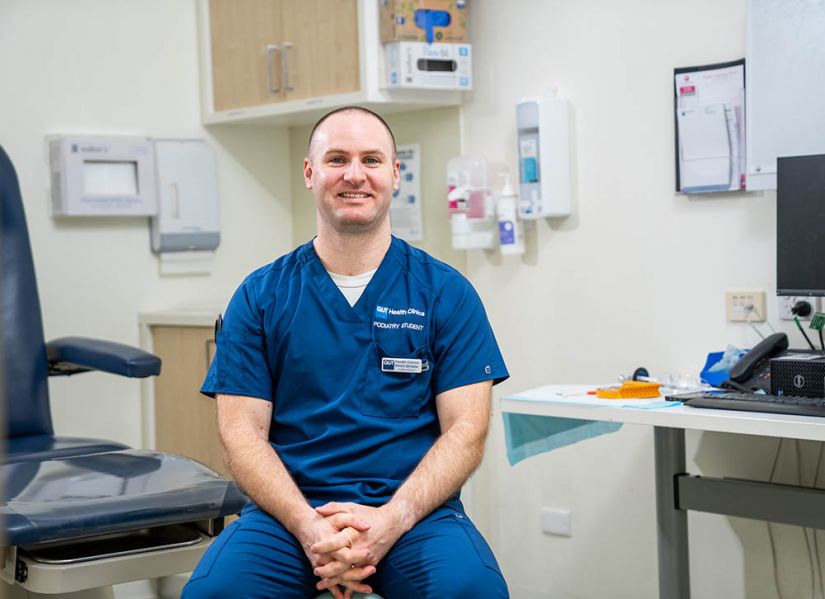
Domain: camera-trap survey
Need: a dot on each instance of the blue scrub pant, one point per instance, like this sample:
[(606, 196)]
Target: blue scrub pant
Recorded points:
[(444, 556)]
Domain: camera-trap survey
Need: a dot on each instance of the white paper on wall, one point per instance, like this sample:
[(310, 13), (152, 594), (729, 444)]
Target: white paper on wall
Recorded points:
[(710, 117)]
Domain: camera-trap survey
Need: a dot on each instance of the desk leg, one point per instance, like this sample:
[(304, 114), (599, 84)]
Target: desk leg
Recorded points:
[(672, 530)]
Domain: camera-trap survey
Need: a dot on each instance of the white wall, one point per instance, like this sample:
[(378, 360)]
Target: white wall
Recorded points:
[(635, 277), (123, 67)]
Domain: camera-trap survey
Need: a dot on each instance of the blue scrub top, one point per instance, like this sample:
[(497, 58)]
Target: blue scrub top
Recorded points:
[(344, 428)]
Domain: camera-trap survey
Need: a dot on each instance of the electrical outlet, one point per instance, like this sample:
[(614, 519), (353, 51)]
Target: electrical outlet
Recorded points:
[(555, 521), (786, 302), (739, 303)]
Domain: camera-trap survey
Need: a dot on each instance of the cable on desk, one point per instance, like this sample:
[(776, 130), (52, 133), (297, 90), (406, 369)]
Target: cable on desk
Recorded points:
[(729, 384), (749, 310), (804, 334), (818, 323)]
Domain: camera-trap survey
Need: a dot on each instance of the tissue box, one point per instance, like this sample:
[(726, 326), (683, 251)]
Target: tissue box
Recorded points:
[(419, 65), (398, 21)]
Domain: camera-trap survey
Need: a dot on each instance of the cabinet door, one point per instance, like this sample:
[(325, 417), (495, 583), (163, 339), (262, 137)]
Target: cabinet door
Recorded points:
[(246, 59), (321, 39), (186, 422)]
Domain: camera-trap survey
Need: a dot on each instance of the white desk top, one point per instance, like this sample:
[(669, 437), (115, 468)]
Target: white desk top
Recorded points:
[(572, 401)]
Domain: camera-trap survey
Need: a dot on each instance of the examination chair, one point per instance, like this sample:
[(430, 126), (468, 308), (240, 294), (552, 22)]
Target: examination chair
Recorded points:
[(79, 515)]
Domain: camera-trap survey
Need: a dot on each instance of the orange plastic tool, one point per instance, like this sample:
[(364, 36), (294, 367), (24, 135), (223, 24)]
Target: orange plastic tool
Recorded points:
[(629, 390)]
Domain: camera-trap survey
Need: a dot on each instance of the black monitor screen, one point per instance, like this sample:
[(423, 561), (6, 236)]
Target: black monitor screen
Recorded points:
[(800, 225)]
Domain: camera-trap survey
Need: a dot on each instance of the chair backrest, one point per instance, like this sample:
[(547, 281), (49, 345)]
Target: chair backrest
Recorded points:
[(24, 380)]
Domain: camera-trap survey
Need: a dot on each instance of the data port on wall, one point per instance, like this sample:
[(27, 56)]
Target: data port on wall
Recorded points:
[(741, 306)]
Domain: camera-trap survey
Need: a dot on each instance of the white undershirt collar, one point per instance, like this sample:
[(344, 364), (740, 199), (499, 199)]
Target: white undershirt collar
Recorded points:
[(352, 286)]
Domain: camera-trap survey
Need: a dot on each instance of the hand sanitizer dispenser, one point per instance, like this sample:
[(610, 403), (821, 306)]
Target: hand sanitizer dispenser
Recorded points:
[(544, 157), (472, 214)]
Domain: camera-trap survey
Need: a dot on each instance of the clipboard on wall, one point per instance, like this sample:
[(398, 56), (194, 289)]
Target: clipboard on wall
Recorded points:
[(709, 121)]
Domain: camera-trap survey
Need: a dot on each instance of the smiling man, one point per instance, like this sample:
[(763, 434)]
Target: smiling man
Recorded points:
[(353, 381)]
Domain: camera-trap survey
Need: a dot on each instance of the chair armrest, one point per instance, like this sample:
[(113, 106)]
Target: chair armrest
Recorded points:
[(71, 355)]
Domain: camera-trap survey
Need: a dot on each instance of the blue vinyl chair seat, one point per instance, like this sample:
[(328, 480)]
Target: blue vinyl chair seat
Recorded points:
[(112, 492), (37, 448)]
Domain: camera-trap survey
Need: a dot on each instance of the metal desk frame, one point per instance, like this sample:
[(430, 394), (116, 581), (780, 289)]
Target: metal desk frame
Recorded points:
[(676, 490)]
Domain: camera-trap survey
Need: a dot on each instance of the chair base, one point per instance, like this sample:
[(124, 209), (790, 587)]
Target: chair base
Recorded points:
[(63, 578)]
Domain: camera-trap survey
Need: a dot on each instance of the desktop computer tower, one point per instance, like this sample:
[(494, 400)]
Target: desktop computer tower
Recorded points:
[(800, 374)]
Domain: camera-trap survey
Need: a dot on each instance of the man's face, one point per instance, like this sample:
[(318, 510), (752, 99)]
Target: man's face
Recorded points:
[(352, 172)]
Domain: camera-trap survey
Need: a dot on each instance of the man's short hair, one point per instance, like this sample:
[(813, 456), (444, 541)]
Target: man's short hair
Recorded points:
[(352, 109)]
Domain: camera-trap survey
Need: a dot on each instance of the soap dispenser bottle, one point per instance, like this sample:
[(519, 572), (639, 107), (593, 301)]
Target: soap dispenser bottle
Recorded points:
[(510, 229)]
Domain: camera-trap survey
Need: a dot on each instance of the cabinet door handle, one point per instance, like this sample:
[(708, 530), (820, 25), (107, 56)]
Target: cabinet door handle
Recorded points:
[(271, 49), (285, 67), (173, 188)]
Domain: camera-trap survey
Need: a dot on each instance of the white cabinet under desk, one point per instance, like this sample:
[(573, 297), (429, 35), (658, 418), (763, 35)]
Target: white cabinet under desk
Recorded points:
[(287, 62)]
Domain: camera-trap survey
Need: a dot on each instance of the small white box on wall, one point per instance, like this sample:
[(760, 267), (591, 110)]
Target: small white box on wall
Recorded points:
[(102, 176), (419, 65)]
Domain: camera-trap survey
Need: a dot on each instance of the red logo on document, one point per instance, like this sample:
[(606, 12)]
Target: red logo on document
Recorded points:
[(687, 89)]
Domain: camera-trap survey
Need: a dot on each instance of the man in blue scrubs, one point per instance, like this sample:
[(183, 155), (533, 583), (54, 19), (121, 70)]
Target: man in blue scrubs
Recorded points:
[(353, 379)]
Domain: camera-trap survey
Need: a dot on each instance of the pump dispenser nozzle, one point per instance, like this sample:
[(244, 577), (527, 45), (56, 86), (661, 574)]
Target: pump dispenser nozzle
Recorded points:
[(507, 186)]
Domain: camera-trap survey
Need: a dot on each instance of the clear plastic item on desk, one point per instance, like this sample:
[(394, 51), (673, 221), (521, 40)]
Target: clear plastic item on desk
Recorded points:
[(671, 383)]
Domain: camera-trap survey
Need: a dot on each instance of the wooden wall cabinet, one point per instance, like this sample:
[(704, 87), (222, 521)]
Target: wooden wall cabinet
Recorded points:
[(268, 51), (286, 62)]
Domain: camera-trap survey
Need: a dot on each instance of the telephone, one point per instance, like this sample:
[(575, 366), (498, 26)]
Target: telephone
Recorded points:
[(753, 371)]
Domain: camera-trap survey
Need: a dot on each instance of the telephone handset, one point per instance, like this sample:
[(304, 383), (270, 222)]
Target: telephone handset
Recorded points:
[(753, 369)]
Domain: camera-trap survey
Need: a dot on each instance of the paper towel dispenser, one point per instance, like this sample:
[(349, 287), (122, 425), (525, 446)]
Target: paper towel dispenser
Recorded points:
[(188, 212)]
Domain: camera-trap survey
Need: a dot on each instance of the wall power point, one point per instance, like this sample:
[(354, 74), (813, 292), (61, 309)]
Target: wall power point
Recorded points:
[(787, 302), (555, 521)]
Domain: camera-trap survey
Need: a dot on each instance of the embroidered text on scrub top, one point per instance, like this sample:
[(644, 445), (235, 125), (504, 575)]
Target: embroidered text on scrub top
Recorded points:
[(383, 313)]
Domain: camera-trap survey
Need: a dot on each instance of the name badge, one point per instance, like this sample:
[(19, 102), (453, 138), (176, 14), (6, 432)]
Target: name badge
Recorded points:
[(408, 365)]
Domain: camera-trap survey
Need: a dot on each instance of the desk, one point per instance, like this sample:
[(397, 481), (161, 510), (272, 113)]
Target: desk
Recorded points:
[(676, 490)]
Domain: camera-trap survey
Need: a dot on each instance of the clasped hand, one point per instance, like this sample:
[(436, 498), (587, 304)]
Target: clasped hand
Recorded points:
[(350, 541)]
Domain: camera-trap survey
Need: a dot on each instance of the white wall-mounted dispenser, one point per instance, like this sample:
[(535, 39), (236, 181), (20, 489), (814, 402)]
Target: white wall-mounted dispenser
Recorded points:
[(188, 216), (544, 157), (102, 176)]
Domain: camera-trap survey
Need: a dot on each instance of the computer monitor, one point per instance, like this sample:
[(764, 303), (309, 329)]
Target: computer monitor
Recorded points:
[(800, 225)]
